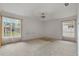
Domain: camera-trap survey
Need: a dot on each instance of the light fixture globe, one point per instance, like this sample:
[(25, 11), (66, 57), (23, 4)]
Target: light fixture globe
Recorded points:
[(43, 15)]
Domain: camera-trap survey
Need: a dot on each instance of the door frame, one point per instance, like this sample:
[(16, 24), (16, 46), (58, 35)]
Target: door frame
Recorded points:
[(20, 28)]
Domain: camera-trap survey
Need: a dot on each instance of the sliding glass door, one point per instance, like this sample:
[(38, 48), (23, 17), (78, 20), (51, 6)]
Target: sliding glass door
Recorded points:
[(11, 28), (6, 26), (16, 28)]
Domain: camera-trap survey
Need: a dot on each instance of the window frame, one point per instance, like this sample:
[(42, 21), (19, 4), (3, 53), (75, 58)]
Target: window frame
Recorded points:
[(11, 29)]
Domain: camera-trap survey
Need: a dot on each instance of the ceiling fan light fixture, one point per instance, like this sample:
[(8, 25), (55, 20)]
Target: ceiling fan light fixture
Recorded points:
[(43, 15), (66, 4)]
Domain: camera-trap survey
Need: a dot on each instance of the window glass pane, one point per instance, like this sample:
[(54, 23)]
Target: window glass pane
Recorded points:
[(16, 28), (69, 29), (11, 27), (6, 26)]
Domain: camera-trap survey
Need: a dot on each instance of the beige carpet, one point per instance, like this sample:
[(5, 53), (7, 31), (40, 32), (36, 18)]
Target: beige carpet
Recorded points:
[(39, 48)]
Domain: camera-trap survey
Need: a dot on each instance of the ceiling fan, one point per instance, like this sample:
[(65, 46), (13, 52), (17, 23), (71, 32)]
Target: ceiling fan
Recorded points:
[(66, 4), (43, 15)]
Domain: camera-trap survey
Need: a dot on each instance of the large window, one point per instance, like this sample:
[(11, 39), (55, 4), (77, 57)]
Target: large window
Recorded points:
[(11, 28), (69, 29)]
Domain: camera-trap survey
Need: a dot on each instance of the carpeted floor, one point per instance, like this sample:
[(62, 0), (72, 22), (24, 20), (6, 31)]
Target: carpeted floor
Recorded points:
[(39, 47)]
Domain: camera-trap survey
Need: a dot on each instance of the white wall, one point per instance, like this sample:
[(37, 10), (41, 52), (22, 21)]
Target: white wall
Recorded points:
[(31, 28), (53, 28)]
